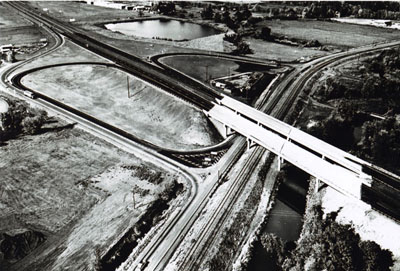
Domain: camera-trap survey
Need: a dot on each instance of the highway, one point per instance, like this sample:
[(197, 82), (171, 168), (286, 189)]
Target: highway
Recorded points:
[(295, 135), (194, 93), (208, 101), (171, 235)]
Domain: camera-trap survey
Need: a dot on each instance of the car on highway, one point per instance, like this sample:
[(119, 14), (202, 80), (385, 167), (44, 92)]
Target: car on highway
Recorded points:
[(29, 94)]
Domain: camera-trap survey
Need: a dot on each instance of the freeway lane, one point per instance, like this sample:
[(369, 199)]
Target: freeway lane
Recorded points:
[(308, 69)]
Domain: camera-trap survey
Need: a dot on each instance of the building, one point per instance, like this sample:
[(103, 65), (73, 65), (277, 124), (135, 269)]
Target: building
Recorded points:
[(6, 48), (106, 4)]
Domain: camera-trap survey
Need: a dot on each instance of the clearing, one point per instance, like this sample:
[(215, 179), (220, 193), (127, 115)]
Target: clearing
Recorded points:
[(148, 113)]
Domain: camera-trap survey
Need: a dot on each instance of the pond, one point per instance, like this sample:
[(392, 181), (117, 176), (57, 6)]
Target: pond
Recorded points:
[(164, 29)]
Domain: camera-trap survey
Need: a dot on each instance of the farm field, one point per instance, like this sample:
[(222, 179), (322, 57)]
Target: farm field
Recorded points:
[(81, 12), (148, 113), (73, 193), (20, 35), (332, 33)]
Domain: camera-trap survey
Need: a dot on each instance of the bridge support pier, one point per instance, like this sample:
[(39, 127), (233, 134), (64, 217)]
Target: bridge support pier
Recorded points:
[(317, 181), (250, 143), (228, 130), (280, 162)]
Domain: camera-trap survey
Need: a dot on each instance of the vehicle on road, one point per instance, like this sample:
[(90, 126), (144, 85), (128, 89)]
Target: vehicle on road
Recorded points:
[(29, 94)]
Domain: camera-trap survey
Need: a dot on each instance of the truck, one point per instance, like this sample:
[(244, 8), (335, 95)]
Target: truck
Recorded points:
[(29, 94)]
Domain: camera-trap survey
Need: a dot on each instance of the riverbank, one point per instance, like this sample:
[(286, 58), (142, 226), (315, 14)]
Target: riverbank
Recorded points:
[(368, 223)]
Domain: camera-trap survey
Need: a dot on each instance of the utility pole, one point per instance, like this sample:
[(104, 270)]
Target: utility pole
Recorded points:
[(127, 82), (133, 197)]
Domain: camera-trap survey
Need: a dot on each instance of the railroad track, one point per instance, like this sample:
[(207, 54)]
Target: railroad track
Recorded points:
[(199, 249), (181, 91), (198, 252)]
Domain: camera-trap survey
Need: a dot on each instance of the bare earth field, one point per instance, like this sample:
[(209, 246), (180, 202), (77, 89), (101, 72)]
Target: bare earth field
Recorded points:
[(332, 33), (149, 113), (75, 190)]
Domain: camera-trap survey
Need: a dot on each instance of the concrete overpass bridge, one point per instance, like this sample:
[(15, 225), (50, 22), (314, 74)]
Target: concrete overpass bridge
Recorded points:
[(336, 168)]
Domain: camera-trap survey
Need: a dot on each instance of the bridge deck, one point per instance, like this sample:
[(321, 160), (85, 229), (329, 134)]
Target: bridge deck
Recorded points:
[(340, 178), (296, 135)]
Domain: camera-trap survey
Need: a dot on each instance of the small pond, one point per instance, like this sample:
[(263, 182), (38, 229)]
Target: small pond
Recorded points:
[(164, 29)]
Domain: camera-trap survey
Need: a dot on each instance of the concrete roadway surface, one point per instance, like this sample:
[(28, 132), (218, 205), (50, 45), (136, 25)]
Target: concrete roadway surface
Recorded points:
[(189, 214), (172, 233)]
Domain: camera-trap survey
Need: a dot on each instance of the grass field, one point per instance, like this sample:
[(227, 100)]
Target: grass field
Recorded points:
[(149, 113), (280, 52), (9, 18), (198, 66), (69, 52), (16, 30), (332, 33)]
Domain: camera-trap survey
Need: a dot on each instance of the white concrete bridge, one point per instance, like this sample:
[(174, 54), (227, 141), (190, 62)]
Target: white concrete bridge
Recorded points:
[(336, 168)]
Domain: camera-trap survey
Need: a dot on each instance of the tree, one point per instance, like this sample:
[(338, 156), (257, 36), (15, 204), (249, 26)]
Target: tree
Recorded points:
[(264, 33), (375, 258), (242, 48), (21, 119), (246, 13), (347, 110), (165, 8), (217, 17), (207, 13), (327, 245)]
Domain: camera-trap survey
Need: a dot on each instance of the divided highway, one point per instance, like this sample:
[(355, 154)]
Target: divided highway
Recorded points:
[(192, 92)]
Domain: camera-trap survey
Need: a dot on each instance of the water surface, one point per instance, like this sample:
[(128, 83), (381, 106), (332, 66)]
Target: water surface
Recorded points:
[(165, 29)]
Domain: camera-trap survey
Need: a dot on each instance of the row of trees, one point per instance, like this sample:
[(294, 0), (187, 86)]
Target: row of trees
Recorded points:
[(381, 82), (381, 142), (233, 20), (242, 47), (371, 9), (20, 119)]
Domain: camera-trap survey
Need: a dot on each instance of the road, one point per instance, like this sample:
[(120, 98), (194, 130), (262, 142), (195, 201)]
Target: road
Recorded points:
[(298, 78), (171, 235)]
